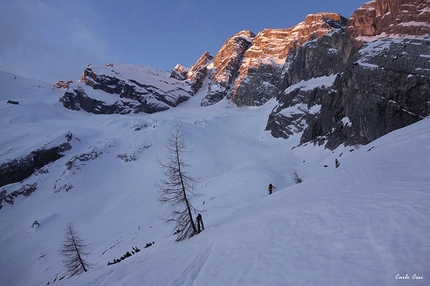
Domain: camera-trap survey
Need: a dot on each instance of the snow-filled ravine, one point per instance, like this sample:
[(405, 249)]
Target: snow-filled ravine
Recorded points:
[(366, 222)]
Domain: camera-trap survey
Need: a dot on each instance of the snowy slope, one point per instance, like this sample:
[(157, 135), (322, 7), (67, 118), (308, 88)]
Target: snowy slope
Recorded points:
[(364, 223)]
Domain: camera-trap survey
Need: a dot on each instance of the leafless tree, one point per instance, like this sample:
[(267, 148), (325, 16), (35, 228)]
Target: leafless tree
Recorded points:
[(176, 189), (74, 252), (296, 177)]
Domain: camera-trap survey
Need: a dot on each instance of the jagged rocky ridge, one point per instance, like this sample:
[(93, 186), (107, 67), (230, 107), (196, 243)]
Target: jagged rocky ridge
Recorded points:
[(136, 89), (226, 65), (247, 67), (335, 81)]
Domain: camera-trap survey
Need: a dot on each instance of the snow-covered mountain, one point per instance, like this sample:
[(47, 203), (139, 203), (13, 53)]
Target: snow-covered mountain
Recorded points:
[(346, 111), (363, 223), (377, 65)]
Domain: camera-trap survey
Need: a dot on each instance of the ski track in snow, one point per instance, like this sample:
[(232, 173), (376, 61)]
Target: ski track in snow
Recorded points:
[(192, 271)]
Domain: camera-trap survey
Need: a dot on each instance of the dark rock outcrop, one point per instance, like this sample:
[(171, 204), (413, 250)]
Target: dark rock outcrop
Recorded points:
[(139, 89), (323, 57), (25, 190), (20, 169), (258, 86), (379, 92), (306, 85), (296, 108), (77, 99)]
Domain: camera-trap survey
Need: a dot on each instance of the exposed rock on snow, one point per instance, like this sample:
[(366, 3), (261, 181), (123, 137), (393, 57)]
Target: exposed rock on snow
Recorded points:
[(63, 84), (298, 105), (21, 168), (179, 72), (138, 89), (9, 198)]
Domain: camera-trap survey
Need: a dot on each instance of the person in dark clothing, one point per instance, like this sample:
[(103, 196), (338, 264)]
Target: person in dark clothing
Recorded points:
[(200, 225), (271, 187)]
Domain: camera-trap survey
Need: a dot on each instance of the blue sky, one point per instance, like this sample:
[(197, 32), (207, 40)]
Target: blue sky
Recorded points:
[(56, 39)]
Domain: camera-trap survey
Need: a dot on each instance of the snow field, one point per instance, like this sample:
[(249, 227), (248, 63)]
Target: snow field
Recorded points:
[(360, 224)]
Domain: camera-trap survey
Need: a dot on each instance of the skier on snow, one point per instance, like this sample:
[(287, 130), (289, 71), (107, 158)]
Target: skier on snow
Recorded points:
[(271, 187)]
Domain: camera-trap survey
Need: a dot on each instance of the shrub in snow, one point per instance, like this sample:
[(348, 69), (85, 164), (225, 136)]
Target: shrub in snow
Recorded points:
[(149, 244), (126, 255)]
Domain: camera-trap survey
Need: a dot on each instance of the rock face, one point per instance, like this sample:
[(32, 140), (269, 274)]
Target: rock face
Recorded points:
[(247, 68), (198, 72), (179, 72), (226, 65), (18, 169), (340, 89), (127, 89), (260, 71), (391, 17), (308, 76), (386, 87)]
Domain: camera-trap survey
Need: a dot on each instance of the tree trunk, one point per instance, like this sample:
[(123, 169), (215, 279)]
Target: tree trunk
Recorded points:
[(190, 214)]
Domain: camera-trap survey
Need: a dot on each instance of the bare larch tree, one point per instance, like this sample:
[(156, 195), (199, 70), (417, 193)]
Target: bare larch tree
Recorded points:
[(74, 252), (176, 189)]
